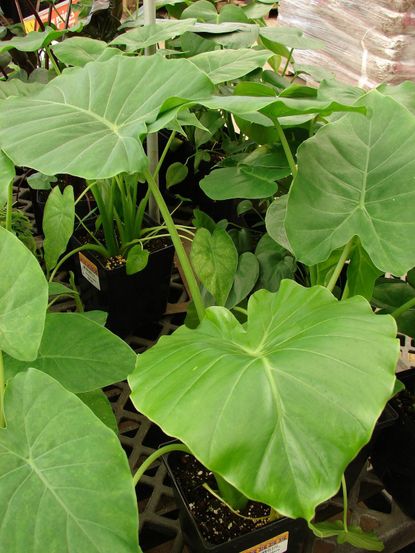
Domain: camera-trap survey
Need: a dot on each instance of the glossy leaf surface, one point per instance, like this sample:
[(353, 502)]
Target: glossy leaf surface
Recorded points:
[(55, 457), (23, 299), (79, 353), (355, 178), (90, 119), (308, 375)]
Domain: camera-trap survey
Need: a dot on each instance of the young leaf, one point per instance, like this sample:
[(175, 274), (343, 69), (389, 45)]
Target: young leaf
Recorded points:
[(389, 294), (79, 353), (58, 224), (244, 280), (59, 289), (99, 404), (222, 66), (137, 260), (7, 174), (39, 181), (361, 273), (274, 221), (363, 188), (66, 481), (176, 173), (109, 117), (23, 299), (215, 260), (300, 347), (275, 263)]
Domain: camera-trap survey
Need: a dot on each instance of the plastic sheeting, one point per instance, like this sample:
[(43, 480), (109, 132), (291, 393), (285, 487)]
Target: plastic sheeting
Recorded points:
[(367, 41)]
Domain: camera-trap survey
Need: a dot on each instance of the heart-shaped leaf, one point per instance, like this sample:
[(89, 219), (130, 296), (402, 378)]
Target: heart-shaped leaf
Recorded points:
[(289, 37), (78, 51), (355, 178), (275, 264), (137, 260), (361, 273), (142, 37), (215, 259), (221, 66), (23, 299), (390, 294), (58, 223), (307, 375), (90, 118), (66, 484), (79, 353), (244, 280), (176, 173)]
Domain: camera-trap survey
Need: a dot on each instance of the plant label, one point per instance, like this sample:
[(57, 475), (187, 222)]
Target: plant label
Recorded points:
[(89, 271), (278, 544)]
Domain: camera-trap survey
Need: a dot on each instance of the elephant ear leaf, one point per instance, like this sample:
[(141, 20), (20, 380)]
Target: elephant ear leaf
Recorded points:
[(23, 299), (355, 178), (66, 484), (299, 348)]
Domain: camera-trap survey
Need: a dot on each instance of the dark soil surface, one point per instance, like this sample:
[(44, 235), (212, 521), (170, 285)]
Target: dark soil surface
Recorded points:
[(216, 522)]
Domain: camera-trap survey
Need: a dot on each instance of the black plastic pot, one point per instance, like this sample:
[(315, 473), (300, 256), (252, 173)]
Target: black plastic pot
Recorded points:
[(277, 537), (387, 419), (393, 455), (131, 301)]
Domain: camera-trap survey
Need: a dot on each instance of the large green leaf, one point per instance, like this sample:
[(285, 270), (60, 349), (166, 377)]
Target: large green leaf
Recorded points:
[(253, 177), (279, 39), (142, 37), (276, 107), (23, 299), (356, 177), (16, 87), (237, 182), (33, 41), (79, 353), (87, 122), (58, 223), (221, 66), (7, 174), (215, 260), (78, 51), (279, 406), (66, 484), (403, 93)]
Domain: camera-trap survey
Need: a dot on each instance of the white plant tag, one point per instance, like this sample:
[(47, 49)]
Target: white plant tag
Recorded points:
[(278, 544), (89, 271)]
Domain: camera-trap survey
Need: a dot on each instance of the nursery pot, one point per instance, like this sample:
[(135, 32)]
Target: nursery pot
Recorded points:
[(393, 455), (276, 537), (131, 301)]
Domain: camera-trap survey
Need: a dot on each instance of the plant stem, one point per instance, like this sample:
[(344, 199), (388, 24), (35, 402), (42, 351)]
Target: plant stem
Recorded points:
[(345, 505), (85, 247), (77, 297), (154, 456), (9, 206), (241, 310), (181, 253), (287, 63), (2, 386), (163, 155), (404, 307), (53, 60), (286, 148), (342, 260)]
